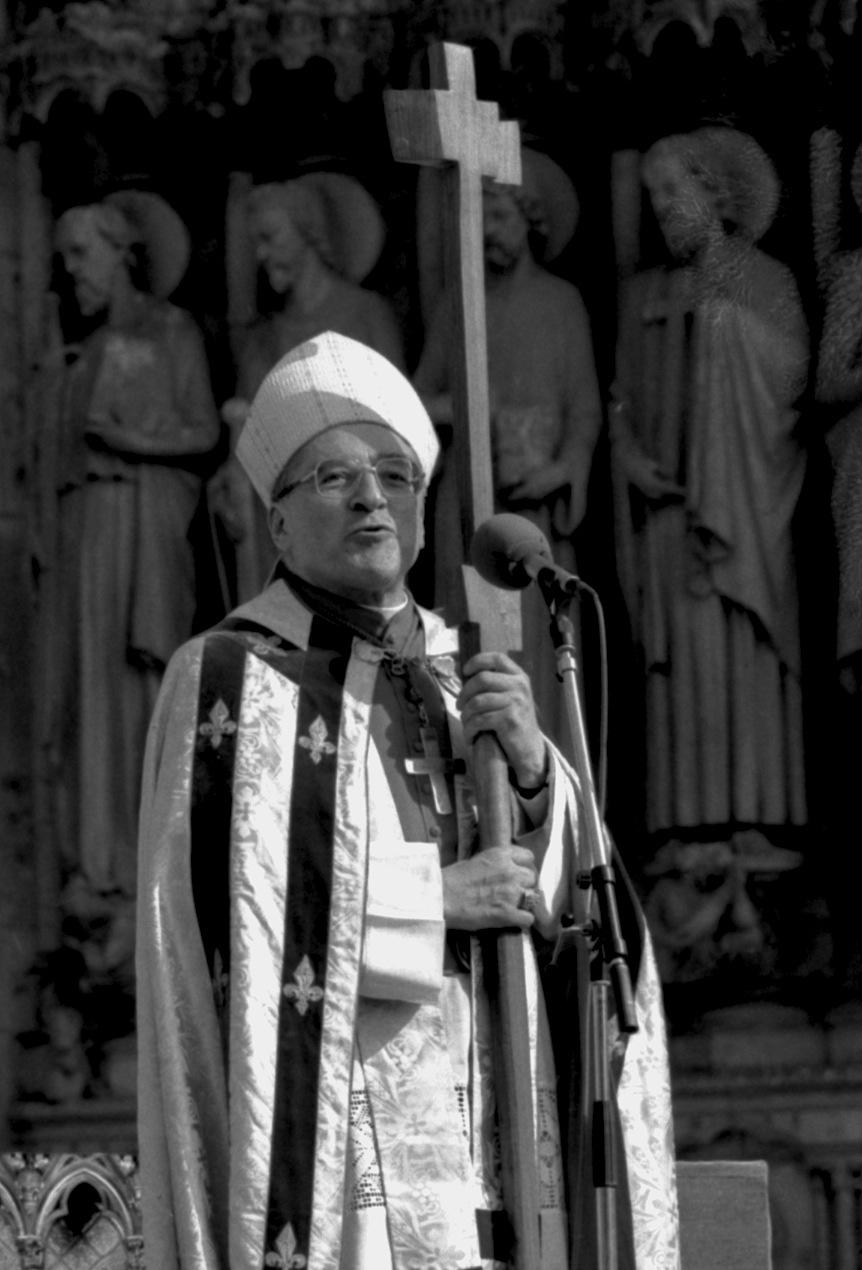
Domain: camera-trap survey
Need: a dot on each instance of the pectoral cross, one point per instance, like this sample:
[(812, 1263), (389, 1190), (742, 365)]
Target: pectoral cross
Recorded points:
[(448, 127), (436, 768)]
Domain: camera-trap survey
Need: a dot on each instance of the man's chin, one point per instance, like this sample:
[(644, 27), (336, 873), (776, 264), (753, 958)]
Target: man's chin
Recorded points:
[(376, 569)]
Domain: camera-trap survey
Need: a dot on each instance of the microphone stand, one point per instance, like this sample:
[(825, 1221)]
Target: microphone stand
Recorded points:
[(605, 934)]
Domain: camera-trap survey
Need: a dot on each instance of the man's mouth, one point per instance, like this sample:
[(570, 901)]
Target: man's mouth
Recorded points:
[(374, 531)]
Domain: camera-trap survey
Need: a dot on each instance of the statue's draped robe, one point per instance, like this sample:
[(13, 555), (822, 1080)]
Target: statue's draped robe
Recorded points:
[(316, 1084), (839, 385), (116, 569), (545, 405), (347, 309), (708, 387)]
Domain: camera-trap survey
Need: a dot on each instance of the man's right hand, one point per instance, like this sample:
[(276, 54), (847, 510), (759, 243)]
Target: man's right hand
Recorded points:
[(486, 890)]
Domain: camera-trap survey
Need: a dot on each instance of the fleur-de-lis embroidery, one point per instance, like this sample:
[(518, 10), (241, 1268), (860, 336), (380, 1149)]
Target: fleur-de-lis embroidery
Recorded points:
[(269, 644), (316, 742), (286, 1255), (305, 990), (220, 724)]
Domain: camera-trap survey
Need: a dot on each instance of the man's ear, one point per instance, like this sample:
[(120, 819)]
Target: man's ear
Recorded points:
[(277, 527), (420, 539)]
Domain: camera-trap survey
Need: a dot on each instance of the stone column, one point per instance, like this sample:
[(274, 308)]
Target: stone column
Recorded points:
[(16, 887), (24, 269)]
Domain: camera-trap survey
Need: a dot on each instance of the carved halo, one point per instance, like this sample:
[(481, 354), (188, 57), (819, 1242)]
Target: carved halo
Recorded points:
[(161, 232), (541, 179), (546, 181), (351, 220), (742, 165)]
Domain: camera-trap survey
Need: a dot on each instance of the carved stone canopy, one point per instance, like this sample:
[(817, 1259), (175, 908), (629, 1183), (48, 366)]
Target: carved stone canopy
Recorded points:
[(99, 47)]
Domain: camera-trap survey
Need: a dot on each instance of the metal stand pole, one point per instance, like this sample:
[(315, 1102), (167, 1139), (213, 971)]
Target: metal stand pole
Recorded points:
[(604, 1156), (610, 943)]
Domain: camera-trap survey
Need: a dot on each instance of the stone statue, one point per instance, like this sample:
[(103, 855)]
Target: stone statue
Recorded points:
[(839, 386), (838, 390), (711, 360), (126, 417), (545, 407), (315, 238), (701, 911)]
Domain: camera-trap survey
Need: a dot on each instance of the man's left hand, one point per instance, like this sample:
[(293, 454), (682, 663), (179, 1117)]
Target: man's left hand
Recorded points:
[(497, 697)]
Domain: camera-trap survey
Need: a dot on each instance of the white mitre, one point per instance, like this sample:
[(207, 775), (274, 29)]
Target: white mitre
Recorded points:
[(328, 381)]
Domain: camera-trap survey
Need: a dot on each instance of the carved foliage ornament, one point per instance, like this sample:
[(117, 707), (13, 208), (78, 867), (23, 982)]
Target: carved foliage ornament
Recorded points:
[(98, 47), (646, 19), (92, 48), (35, 1189)]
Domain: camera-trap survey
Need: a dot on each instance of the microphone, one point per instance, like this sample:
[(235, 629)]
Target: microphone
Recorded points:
[(509, 551)]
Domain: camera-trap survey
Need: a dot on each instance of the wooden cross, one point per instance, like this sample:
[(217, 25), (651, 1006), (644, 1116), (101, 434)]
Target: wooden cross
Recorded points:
[(447, 127)]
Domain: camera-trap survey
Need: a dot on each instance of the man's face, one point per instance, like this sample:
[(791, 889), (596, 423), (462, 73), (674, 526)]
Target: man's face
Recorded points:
[(687, 209), (279, 247), (92, 262), (360, 546), (505, 229)]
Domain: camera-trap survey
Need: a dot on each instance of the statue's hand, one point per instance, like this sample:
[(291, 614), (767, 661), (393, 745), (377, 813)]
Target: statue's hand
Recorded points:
[(439, 407), (850, 674), (647, 475), (105, 436), (539, 483), (497, 697), (639, 468), (486, 890), (228, 498), (235, 411)]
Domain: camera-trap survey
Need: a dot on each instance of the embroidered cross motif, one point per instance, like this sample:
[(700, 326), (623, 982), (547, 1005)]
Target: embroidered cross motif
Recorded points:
[(305, 990), (316, 742), (286, 1255), (220, 724)]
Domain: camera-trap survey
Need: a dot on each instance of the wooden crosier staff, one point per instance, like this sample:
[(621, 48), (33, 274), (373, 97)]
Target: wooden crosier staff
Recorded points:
[(447, 127)]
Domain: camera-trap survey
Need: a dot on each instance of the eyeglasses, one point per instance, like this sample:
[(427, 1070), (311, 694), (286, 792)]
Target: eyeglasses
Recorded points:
[(397, 476)]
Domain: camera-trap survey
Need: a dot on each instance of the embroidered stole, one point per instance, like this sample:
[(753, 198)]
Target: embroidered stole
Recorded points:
[(306, 934), (307, 910)]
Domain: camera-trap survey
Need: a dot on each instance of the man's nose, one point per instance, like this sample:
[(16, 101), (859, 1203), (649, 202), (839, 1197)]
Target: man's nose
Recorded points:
[(368, 491)]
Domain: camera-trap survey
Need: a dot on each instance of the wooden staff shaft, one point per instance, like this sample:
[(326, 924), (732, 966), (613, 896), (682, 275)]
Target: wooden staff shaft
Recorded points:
[(447, 127)]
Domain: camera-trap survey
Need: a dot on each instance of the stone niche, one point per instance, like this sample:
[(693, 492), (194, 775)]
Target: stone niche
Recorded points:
[(69, 1213)]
